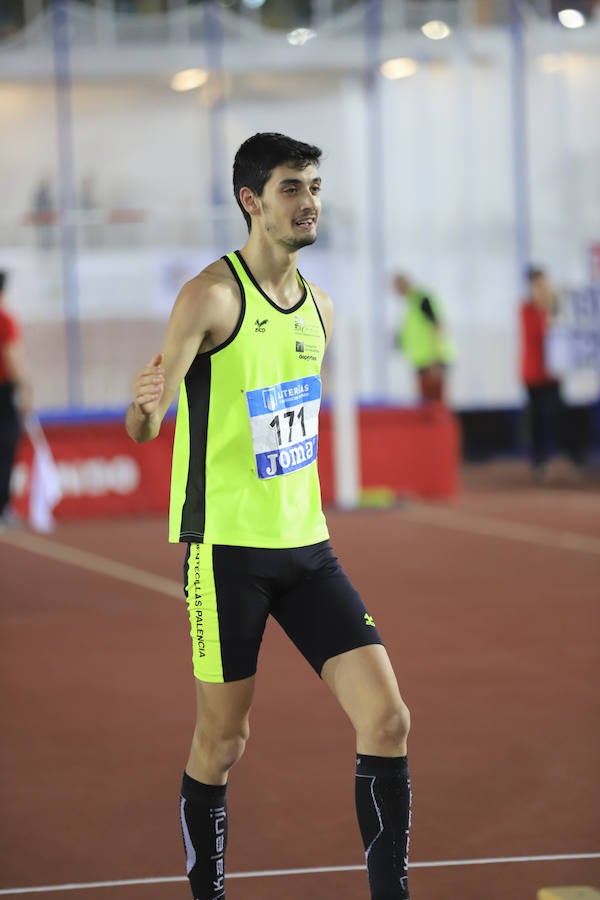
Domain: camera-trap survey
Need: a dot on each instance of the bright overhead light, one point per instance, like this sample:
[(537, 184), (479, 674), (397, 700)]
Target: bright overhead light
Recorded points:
[(571, 18), (253, 4), (300, 36), (401, 67), (436, 30), (188, 79)]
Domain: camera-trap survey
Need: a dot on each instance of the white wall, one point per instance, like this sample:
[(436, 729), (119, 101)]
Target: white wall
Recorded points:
[(443, 198)]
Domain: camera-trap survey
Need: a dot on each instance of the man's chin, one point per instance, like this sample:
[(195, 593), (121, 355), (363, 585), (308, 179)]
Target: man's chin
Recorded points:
[(297, 243)]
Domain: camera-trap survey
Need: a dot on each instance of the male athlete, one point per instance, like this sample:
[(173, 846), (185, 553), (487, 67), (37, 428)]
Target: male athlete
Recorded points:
[(243, 347)]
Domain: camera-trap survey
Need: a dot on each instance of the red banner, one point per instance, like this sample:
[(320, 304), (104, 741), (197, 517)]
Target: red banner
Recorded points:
[(104, 473)]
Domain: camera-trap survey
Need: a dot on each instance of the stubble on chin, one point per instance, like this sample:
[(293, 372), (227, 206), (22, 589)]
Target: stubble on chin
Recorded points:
[(294, 244)]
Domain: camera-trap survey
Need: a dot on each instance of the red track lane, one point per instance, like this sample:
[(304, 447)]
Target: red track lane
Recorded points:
[(495, 642)]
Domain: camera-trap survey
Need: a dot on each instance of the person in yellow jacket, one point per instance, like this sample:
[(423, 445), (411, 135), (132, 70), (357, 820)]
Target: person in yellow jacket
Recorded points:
[(243, 349), (423, 340)]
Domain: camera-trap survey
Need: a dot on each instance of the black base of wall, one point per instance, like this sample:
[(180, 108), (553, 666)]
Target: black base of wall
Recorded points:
[(503, 432)]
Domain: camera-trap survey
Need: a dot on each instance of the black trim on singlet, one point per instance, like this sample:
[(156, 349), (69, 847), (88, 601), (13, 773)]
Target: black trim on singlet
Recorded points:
[(285, 312), (197, 386), (316, 305), (240, 320)]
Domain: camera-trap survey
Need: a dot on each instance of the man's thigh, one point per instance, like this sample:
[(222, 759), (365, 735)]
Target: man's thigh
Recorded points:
[(224, 708), (228, 611), (323, 613)]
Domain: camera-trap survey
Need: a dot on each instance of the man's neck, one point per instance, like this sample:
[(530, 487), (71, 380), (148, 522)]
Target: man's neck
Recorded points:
[(274, 268)]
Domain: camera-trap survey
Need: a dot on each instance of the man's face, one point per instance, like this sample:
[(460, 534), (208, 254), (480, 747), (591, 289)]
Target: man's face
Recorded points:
[(541, 290), (291, 204), (401, 284)]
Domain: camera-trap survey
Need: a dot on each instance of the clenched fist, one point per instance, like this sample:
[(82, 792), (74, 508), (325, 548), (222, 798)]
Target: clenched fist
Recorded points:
[(148, 386)]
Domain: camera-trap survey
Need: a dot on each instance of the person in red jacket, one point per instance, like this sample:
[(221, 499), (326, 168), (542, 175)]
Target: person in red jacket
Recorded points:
[(543, 389), (15, 399)]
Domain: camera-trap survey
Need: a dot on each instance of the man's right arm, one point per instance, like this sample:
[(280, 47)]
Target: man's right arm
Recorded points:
[(143, 419), (156, 384)]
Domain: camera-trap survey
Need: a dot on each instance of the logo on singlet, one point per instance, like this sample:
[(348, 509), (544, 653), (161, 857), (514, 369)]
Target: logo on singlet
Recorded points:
[(260, 325), (306, 351)]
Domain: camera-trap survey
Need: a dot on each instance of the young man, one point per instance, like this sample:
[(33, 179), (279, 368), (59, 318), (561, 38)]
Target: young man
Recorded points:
[(422, 338), (244, 347), (15, 400), (543, 389)]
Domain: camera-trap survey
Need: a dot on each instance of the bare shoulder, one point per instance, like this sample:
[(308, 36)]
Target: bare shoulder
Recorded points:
[(210, 304), (213, 286), (325, 306)]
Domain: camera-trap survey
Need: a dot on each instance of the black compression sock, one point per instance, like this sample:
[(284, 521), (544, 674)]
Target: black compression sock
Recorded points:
[(383, 808), (203, 810)]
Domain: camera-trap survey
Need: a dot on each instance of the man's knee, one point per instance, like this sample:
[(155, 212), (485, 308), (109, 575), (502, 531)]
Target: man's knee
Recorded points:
[(387, 727), (393, 724), (220, 749)]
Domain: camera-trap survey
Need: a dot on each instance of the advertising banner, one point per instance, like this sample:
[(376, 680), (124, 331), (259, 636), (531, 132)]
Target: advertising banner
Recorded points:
[(102, 472)]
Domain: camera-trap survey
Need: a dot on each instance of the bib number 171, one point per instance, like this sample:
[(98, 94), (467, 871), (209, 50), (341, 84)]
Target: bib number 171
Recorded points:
[(291, 415)]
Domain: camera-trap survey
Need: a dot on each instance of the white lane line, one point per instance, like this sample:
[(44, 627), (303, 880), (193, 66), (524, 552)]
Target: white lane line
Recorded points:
[(457, 520), (92, 562), (273, 873), (453, 519)]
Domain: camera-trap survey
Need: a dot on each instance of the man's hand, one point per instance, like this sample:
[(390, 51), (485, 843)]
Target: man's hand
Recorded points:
[(148, 386), (143, 417)]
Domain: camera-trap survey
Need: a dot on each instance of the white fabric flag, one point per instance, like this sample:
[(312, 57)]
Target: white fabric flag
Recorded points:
[(44, 490)]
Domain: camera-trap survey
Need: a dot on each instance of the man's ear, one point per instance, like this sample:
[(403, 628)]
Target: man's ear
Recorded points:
[(249, 201)]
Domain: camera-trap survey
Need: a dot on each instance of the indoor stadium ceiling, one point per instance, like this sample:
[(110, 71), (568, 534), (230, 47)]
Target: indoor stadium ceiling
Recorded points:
[(286, 15)]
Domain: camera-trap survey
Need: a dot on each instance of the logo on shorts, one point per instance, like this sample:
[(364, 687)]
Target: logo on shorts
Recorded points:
[(369, 620)]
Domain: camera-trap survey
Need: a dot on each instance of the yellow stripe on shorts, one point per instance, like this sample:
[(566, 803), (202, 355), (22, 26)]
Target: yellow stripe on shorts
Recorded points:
[(204, 618)]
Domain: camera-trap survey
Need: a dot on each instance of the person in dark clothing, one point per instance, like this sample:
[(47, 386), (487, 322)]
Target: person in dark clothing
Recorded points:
[(548, 415), (15, 399)]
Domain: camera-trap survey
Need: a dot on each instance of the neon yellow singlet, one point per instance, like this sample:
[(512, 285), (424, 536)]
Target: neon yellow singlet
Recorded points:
[(244, 459)]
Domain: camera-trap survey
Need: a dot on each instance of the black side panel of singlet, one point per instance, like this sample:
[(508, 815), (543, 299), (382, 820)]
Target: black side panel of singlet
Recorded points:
[(197, 385)]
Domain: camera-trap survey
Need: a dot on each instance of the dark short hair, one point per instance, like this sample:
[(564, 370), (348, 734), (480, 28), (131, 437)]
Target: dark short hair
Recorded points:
[(260, 154), (533, 272), (2, 280)]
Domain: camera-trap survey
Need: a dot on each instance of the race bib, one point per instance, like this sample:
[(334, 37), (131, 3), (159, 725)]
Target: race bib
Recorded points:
[(284, 420)]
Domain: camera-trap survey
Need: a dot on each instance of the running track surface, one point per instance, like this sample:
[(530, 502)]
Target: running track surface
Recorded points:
[(490, 607)]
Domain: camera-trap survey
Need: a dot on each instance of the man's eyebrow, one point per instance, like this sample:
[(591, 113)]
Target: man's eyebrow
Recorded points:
[(283, 181)]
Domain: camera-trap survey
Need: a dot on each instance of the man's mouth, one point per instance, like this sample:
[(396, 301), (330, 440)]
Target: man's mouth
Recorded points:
[(307, 223)]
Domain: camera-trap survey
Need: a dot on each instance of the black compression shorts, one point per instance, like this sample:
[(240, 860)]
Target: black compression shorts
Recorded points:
[(231, 591)]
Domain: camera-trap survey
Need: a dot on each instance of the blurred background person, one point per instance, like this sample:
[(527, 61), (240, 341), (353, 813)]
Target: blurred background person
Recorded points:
[(548, 428), (43, 213), (15, 399), (423, 340), (537, 311)]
